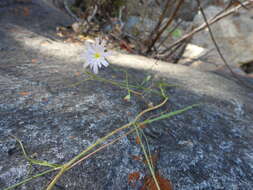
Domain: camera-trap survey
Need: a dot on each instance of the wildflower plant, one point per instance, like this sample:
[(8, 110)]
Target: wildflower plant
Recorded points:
[(135, 125), (95, 55)]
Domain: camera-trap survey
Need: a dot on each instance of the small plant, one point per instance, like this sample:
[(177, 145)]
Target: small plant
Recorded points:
[(95, 57)]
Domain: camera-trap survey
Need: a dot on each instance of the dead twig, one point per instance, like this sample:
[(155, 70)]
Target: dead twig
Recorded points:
[(93, 14), (69, 11), (87, 21), (211, 21), (218, 49), (159, 33), (173, 30), (161, 18)]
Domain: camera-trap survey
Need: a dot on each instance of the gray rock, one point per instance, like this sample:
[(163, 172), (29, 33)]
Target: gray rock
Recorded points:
[(208, 147), (233, 35)]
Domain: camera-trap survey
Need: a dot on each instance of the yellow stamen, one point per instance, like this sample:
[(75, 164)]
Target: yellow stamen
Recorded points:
[(97, 55)]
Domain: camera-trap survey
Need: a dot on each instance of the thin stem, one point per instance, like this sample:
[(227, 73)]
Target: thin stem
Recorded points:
[(67, 166), (139, 125), (31, 178), (161, 18), (211, 21), (218, 49), (56, 178), (120, 85), (148, 161), (159, 33)]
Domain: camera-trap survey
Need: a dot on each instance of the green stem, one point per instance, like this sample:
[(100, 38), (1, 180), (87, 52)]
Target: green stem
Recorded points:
[(31, 178), (148, 161), (67, 166)]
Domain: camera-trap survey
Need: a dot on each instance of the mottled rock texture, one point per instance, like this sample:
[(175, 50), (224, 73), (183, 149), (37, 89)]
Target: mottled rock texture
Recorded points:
[(208, 147)]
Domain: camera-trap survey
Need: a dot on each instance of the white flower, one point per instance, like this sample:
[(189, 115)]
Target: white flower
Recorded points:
[(95, 55)]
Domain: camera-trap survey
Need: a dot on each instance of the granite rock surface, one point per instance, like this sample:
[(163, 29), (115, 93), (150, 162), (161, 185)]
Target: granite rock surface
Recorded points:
[(207, 147)]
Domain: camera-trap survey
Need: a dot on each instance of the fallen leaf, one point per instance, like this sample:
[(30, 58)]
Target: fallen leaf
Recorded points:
[(149, 183), (26, 11), (133, 178)]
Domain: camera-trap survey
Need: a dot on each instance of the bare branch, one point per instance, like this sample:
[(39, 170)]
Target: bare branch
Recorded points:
[(69, 11), (93, 14), (159, 33), (211, 21), (161, 18), (218, 49)]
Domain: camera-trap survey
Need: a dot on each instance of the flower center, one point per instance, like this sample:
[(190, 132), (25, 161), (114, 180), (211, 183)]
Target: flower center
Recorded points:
[(97, 55)]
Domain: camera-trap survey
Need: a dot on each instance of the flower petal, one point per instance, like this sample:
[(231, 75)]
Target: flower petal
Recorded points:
[(95, 69), (97, 42), (103, 42), (97, 62), (104, 62)]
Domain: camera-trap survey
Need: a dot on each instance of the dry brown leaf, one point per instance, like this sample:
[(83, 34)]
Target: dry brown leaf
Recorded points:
[(133, 178), (26, 11), (149, 183)]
